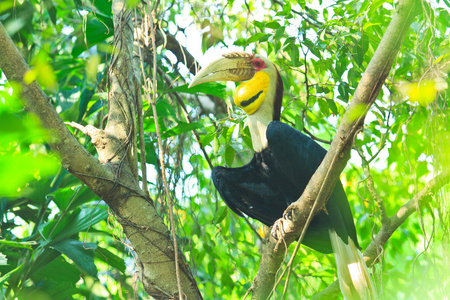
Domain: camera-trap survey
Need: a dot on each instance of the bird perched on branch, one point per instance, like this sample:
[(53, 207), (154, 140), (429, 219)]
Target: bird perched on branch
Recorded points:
[(283, 163)]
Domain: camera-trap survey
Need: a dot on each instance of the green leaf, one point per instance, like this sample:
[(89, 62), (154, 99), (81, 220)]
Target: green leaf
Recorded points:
[(332, 106), (258, 37), (24, 165), (151, 156), (26, 245), (360, 50), (210, 88), (206, 139), (180, 128), (103, 8), (5, 277), (81, 253), (59, 270), (78, 108), (221, 214), (240, 42), (110, 258), (78, 220), (374, 5), (95, 32), (343, 91), (323, 107), (215, 144), (229, 133), (259, 24), (229, 155), (165, 111), (44, 257), (73, 197), (298, 122), (279, 33), (273, 24), (287, 8), (341, 63), (37, 190), (51, 10)]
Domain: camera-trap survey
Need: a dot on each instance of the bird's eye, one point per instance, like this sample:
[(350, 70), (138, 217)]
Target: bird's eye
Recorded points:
[(258, 64)]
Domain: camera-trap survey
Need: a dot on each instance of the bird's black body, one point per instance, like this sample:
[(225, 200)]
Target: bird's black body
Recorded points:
[(276, 177), (282, 166)]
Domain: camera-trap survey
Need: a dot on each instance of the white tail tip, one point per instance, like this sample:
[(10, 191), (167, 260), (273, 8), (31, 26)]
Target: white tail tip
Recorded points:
[(354, 278)]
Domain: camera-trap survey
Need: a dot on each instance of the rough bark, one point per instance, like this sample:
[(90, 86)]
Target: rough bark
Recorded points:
[(113, 176), (323, 181)]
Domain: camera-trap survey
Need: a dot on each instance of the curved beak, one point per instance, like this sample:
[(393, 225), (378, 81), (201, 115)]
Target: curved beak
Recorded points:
[(231, 67)]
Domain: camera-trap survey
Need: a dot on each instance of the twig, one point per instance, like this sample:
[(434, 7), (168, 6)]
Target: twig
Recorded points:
[(371, 185), (388, 228), (315, 137), (141, 125), (161, 154), (253, 228), (188, 120)]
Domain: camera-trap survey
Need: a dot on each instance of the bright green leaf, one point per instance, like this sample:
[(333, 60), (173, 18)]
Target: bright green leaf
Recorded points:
[(210, 88), (110, 258), (26, 245)]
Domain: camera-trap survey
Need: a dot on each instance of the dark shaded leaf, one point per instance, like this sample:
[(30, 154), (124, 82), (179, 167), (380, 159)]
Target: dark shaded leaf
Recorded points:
[(221, 214), (81, 253), (96, 32), (51, 10), (37, 190), (229, 155), (59, 270)]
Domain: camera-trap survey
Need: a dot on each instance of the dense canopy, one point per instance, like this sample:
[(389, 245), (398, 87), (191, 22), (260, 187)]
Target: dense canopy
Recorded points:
[(61, 231)]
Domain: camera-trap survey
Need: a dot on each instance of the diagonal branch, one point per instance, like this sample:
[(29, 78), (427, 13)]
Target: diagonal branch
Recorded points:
[(324, 179), (391, 224), (113, 176), (37, 102)]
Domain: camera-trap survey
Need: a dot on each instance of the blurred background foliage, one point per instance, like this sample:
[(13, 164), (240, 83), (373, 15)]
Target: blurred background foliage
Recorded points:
[(59, 240)]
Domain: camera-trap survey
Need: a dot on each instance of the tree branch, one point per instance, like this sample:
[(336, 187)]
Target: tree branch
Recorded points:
[(324, 179), (36, 101), (372, 253), (371, 185), (113, 176)]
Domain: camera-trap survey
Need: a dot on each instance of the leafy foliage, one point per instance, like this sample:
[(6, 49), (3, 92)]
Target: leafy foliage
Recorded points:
[(55, 235)]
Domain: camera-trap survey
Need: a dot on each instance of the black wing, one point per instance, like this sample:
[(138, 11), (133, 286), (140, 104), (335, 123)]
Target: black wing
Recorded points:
[(252, 190), (298, 156)]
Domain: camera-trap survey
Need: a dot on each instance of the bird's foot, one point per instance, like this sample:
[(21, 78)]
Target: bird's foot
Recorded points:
[(278, 229)]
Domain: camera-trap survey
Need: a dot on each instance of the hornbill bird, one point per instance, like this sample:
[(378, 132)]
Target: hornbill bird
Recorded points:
[(283, 163)]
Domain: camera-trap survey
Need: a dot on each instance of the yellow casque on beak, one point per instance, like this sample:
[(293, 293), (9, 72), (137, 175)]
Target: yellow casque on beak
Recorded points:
[(234, 66)]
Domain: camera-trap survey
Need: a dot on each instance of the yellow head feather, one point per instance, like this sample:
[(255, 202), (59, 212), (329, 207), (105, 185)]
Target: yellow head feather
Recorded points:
[(250, 94)]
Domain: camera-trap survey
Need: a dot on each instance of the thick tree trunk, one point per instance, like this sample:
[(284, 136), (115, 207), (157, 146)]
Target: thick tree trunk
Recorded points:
[(114, 176)]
